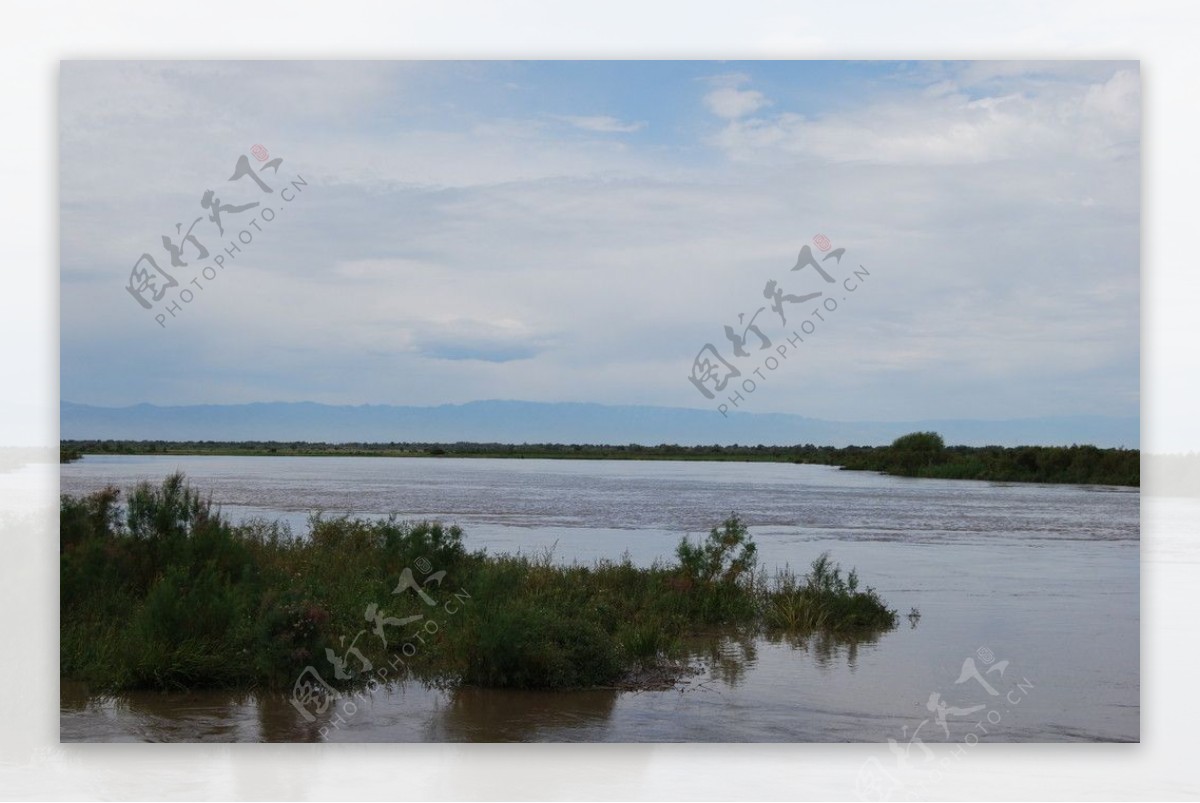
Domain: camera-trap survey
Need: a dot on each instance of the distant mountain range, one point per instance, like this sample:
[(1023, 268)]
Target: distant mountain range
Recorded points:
[(539, 422)]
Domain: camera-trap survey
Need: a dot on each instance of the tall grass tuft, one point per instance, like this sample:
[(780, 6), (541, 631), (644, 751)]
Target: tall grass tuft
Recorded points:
[(825, 601)]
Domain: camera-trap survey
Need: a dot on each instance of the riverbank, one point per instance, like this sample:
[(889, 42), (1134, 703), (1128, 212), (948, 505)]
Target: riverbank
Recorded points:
[(914, 455), (170, 595)]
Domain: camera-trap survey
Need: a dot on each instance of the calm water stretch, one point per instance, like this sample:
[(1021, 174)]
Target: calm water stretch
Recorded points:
[(1028, 597)]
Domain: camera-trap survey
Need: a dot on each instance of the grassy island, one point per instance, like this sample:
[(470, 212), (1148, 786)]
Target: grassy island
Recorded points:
[(163, 592)]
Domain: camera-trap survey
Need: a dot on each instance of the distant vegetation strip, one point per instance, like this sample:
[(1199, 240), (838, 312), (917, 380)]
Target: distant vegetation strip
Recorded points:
[(919, 454), (163, 592)]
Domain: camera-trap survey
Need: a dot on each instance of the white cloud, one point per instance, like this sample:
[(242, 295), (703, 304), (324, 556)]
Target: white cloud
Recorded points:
[(730, 103), (947, 123), (491, 340), (604, 125), (448, 257)]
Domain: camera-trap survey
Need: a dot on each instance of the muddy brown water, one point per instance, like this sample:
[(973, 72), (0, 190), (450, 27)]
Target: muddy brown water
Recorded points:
[(1028, 594)]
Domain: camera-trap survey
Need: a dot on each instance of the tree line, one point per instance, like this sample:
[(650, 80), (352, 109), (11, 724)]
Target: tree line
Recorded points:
[(918, 454)]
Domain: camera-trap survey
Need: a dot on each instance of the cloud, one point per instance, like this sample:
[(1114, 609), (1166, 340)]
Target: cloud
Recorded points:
[(730, 103), (948, 122), (456, 241), (484, 340), (604, 125)]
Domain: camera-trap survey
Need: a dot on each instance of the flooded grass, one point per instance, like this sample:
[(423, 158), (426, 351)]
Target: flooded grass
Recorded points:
[(167, 594)]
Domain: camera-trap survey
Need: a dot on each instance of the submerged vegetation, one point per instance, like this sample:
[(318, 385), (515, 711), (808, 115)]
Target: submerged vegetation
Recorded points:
[(163, 592), (919, 454)]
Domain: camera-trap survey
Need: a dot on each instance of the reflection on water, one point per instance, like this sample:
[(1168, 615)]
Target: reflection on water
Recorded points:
[(482, 715), (413, 711), (165, 717), (728, 658), (827, 649), (1045, 578)]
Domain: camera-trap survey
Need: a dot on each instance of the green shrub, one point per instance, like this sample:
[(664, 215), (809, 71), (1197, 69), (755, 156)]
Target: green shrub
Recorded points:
[(93, 516), (826, 601), (527, 647), (726, 557), (175, 597)]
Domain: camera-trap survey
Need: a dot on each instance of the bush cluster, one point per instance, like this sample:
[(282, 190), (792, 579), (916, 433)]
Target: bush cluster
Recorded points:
[(163, 592)]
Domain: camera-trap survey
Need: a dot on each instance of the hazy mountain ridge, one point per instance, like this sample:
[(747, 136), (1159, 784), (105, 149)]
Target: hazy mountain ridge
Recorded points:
[(564, 422)]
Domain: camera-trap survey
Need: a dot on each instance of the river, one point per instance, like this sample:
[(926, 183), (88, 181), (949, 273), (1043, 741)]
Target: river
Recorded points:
[(1028, 598)]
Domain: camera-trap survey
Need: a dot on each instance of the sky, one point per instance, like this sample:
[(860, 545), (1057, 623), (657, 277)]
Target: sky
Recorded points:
[(443, 232)]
